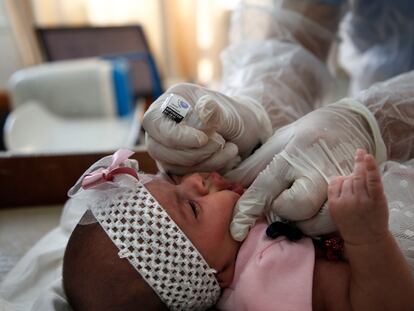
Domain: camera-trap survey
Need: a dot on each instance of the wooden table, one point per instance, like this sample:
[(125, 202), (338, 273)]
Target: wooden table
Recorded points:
[(43, 179)]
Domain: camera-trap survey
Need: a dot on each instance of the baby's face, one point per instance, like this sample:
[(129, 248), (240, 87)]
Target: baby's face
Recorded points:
[(202, 204)]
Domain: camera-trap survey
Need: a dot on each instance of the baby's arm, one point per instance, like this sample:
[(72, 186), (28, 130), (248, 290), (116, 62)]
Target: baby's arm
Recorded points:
[(380, 276)]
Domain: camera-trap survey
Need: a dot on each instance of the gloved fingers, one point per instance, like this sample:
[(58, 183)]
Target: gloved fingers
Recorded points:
[(209, 111), (183, 156), (302, 200), (220, 114), (246, 172), (249, 169), (170, 133), (248, 209), (220, 160), (320, 224), (191, 133), (270, 182)]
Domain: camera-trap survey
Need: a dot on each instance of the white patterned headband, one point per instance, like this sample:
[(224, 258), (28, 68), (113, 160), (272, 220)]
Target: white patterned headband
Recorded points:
[(152, 242)]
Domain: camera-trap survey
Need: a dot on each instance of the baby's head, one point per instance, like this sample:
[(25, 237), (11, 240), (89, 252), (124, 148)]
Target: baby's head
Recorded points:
[(99, 271)]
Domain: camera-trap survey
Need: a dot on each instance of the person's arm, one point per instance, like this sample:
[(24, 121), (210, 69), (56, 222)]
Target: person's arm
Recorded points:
[(268, 81), (380, 276), (278, 56), (324, 15), (392, 104), (320, 146)]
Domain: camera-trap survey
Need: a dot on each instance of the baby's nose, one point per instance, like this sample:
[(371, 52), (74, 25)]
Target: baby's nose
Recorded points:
[(200, 183)]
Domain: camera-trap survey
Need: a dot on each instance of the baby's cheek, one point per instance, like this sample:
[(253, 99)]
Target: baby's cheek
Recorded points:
[(223, 203), (210, 237), (227, 212), (233, 197), (220, 227)]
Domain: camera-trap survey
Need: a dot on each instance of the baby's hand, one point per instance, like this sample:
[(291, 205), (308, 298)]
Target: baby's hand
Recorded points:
[(357, 203)]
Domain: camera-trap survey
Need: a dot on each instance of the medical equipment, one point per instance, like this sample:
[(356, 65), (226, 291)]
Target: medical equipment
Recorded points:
[(177, 109)]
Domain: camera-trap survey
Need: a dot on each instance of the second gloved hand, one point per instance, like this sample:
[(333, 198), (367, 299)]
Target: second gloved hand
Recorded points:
[(302, 158), (228, 129)]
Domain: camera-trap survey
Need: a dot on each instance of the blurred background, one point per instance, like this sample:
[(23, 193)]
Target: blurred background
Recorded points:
[(146, 47), (185, 36)]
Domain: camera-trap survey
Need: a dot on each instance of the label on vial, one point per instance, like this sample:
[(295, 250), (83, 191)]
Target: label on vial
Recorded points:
[(175, 108)]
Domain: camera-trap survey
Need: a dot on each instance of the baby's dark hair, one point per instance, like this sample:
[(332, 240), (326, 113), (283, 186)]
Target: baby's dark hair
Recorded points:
[(95, 278)]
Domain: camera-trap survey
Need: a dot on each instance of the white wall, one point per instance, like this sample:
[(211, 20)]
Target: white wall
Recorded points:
[(10, 60)]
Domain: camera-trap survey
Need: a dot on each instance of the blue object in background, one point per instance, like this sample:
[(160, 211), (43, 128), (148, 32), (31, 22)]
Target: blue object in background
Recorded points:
[(122, 78), (122, 86), (146, 58)]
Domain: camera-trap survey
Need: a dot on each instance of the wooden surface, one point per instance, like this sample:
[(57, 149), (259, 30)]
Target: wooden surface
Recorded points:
[(45, 179), (4, 102)]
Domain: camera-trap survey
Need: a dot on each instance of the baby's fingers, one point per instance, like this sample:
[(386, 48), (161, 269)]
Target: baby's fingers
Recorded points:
[(359, 174), (335, 187), (374, 185)]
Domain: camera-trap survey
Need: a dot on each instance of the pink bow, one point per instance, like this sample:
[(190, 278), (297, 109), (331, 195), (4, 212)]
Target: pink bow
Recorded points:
[(103, 175)]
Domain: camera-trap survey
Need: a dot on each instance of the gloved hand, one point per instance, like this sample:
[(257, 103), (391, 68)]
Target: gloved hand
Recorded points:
[(228, 130), (306, 154)]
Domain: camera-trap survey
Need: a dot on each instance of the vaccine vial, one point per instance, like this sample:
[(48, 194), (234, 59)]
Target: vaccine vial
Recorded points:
[(179, 110)]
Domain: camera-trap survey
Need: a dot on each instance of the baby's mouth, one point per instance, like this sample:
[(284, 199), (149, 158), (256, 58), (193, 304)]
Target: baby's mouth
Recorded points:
[(236, 187), (218, 182)]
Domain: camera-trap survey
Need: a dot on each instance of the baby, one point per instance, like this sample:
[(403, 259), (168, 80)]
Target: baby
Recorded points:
[(160, 245)]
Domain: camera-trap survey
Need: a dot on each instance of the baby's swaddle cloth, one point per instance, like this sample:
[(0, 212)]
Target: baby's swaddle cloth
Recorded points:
[(398, 180), (271, 274)]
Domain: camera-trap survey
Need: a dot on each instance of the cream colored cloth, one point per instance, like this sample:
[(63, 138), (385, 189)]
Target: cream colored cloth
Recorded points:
[(398, 180)]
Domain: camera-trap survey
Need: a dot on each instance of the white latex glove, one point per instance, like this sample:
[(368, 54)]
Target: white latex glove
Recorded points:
[(306, 154), (228, 129)]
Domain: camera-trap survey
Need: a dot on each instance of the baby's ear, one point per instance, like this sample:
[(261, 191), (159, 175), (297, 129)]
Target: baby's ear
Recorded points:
[(225, 275)]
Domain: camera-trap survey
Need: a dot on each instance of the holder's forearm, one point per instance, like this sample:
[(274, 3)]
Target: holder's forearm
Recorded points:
[(324, 15)]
